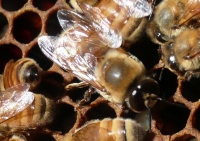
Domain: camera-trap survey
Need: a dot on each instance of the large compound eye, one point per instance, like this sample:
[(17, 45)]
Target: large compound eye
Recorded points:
[(144, 95), (172, 58), (159, 37)]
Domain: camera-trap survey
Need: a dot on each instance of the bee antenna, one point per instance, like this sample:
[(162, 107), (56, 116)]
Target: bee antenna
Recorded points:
[(153, 6), (150, 117), (172, 103), (161, 73)]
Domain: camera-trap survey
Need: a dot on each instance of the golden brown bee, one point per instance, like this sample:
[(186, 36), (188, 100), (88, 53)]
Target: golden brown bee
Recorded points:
[(21, 110), (117, 75), (24, 70), (123, 16), (167, 22), (117, 129), (182, 54)]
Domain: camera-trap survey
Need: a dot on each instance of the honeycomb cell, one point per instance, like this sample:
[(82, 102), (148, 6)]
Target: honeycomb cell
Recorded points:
[(65, 118), (190, 89), (196, 121), (3, 25), (41, 137), (150, 56), (173, 119), (167, 83), (186, 137), (100, 112), (53, 27), (13, 5), (36, 54), (8, 52), (27, 27), (51, 87), (44, 4)]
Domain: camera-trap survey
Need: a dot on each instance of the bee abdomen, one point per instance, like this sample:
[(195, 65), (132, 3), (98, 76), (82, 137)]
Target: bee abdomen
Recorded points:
[(125, 129), (25, 70), (38, 114)]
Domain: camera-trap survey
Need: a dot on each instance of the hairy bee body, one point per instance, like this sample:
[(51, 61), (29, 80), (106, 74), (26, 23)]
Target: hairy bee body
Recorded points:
[(112, 72), (89, 48), (38, 114), (175, 27), (117, 129)]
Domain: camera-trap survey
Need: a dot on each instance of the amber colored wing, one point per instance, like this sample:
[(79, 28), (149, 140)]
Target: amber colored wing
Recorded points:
[(14, 100)]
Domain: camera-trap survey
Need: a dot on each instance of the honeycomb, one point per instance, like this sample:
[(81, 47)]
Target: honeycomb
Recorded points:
[(23, 21)]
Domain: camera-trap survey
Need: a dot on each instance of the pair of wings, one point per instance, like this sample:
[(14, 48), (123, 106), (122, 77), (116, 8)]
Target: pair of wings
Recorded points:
[(14, 100), (90, 32), (192, 9)]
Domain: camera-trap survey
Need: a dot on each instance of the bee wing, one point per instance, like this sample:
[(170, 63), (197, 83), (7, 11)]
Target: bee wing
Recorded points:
[(110, 37), (192, 8), (64, 52), (69, 19), (80, 26), (136, 8), (113, 38), (93, 132), (14, 100)]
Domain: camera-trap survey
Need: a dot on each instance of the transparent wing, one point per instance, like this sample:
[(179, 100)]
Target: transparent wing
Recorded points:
[(136, 8), (80, 27), (93, 132), (14, 100), (66, 53), (110, 37)]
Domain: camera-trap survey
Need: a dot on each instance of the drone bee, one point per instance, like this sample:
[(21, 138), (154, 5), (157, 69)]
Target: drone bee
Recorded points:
[(24, 70), (123, 16), (21, 110), (171, 18), (116, 74), (182, 55), (117, 129)]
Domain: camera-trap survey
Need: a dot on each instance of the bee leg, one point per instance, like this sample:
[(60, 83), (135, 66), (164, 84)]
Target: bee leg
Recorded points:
[(17, 137), (189, 74), (87, 96), (76, 85)]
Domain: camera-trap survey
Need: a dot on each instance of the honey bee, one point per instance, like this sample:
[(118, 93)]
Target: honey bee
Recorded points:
[(182, 54), (117, 129), (21, 110), (171, 18), (24, 70), (123, 16), (116, 74)]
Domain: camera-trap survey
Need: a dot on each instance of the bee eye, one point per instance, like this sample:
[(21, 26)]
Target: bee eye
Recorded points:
[(172, 62), (146, 90), (159, 37), (31, 74)]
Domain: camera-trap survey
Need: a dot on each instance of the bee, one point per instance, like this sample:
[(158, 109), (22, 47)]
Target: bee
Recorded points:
[(24, 70), (182, 54), (117, 129), (123, 16), (115, 74), (21, 110), (171, 18)]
